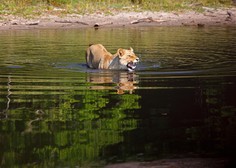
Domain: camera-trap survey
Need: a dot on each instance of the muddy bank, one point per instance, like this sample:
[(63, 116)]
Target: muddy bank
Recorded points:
[(210, 17), (176, 163)]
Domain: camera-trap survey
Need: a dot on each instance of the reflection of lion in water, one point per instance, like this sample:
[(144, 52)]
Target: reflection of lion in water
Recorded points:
[(98, 57), (124, 81)]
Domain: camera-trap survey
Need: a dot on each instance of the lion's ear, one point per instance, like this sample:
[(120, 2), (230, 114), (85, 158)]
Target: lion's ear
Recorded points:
[(131, 49), (121, 52)]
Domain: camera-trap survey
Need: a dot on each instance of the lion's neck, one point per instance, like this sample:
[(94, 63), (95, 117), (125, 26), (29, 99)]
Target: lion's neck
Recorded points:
[(115, 55), (115, 63)]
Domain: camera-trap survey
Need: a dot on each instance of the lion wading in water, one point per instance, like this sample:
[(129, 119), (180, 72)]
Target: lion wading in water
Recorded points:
[(98, 57)]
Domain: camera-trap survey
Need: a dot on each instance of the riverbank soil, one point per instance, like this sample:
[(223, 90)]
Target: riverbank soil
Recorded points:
[(176, 163), (208, 17)]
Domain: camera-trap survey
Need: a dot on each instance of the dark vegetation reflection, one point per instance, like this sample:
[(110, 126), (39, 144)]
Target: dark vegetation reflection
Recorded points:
[(70, 128), (55, 112)]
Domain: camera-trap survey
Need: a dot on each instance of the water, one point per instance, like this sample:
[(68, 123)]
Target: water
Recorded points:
[(55, 112)]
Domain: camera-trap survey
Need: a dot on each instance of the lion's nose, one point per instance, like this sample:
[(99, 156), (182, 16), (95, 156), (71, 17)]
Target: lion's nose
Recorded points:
[(137, 59)]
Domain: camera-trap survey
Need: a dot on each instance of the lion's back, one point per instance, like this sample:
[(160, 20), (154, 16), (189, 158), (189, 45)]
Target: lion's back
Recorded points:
[(97, 56)]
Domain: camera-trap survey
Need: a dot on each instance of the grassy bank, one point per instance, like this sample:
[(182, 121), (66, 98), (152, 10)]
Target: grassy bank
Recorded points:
[(38, 7)]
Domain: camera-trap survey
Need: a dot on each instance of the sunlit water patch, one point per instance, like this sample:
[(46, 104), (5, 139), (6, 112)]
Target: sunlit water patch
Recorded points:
[(56, 112)]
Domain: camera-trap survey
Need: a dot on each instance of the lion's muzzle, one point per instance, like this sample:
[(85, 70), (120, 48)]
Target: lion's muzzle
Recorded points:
[(132, 65)]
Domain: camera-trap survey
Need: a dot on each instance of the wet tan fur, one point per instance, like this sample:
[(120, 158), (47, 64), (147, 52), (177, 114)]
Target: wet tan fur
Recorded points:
[(97, 57)]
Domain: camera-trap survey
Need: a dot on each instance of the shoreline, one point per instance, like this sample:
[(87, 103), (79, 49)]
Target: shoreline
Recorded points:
[(176, 163), (209, 17)]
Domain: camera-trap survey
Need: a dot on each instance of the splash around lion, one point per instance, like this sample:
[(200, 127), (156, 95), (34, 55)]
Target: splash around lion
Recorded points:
[(97, 57)]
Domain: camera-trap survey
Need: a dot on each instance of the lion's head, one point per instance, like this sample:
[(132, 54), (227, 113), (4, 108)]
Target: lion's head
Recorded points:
[(127, 58)]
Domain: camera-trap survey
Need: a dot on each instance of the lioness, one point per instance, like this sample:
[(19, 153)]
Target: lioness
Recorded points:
[(98, 57)]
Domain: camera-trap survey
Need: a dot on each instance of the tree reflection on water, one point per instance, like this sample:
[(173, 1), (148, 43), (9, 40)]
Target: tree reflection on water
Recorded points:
[(65, 129)]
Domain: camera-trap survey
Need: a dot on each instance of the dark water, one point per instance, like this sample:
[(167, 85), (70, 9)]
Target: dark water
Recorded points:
[(55, 112)]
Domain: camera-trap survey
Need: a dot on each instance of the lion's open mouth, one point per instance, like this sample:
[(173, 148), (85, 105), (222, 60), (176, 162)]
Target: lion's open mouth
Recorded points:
[(131, 66)]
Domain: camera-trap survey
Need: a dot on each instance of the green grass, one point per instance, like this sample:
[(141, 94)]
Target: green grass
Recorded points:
[(38, 7)]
